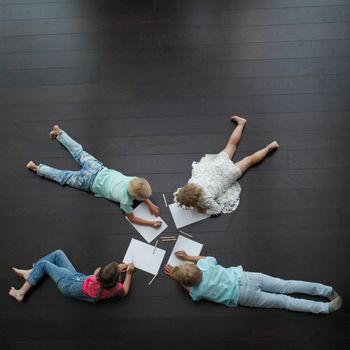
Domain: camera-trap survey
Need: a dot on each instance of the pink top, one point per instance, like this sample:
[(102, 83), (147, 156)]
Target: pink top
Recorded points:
[(91, 287)]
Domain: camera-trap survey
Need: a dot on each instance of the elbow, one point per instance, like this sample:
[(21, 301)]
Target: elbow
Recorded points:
[(131, 217)]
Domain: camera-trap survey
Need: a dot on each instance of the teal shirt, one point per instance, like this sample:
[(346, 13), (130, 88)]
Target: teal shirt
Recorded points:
[(218, 284), (113, 185)]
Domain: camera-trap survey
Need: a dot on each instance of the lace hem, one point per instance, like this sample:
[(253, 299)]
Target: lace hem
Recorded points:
[(229, 200)]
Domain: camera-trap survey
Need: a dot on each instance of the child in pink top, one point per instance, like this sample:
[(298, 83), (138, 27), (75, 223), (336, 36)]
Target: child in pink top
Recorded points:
[(103, 284)]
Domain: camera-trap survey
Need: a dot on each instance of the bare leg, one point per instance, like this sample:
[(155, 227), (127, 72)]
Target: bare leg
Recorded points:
[(22, 273), (32, 166), (256, 157), (233, 141), (55, 131), (19, 294)]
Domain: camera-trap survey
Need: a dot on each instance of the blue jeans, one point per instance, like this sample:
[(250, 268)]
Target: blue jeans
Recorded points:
[(82, 179), (62, 272), (259, 290)]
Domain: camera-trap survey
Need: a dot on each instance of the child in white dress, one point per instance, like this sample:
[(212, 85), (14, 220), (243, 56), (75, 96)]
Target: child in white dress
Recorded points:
[(213, 186)]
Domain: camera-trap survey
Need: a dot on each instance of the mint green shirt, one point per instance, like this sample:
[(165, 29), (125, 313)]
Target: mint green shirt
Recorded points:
[(113, 185), (218, 284)]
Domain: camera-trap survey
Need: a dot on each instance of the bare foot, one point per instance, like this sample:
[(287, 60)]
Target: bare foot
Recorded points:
[(32, 166), (273, 146), (22, 273), (16, 294), (238, 120), (55, 131)]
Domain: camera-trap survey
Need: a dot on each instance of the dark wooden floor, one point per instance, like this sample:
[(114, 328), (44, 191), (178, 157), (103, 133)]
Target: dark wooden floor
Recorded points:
[(147, 86)]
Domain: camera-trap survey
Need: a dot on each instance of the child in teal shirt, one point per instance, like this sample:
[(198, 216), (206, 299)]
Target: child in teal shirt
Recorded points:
[(203, 278), (103, 182)]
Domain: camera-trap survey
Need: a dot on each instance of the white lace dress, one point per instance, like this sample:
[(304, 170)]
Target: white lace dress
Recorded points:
[(217, 175)]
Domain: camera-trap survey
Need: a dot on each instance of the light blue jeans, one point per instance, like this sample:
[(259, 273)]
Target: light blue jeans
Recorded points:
[(82, 179), (259, 290), (62, 272)]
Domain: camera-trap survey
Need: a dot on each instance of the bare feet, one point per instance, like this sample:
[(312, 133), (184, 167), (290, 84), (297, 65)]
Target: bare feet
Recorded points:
[(17, 294), (273, 146), (22, 273), (238, 120), (55, 131), (32, 166)]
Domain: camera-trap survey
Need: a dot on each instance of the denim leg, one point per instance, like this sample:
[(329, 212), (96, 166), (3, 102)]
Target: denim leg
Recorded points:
[(278, 285), (55, 264), (45, 267), (60, 259), (253, 294), (83, 158), (77, 179), (282, 301)]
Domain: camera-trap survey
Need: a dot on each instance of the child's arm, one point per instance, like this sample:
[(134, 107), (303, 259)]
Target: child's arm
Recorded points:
[(127, 281), (136, 220), (181, 254), (212, 207), (152, 207), (201, 210)]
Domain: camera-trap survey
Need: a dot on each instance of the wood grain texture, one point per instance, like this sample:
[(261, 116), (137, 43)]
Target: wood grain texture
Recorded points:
[(147, 86)]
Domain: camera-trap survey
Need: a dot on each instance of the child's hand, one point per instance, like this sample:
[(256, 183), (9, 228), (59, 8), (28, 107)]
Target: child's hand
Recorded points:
[(123, 267), (154, 209), (201, 210), (181, 254), (156, 224), (168, 270), (130, 268)]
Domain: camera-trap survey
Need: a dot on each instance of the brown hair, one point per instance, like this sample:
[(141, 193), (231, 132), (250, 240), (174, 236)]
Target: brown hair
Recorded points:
[(108, 275), (187, 274), (189, 195)]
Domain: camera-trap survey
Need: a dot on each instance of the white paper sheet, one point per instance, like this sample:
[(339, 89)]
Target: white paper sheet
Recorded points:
[(141, 255), (183, 217), (147, 232), (188, 245)]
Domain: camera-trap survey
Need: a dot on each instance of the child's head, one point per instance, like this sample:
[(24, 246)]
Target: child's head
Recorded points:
[(187, 274), (189, 196), (140, 189), (108, 275)]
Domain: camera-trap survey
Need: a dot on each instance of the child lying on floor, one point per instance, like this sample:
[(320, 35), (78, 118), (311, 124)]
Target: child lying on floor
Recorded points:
[(103, 182), (203, 278)]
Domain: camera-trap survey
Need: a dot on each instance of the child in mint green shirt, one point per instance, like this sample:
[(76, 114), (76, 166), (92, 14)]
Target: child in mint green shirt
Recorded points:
[(103, 182), (203, 278)]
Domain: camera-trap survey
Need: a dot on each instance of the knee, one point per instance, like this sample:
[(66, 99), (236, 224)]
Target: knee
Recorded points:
[(40, 265), (286, 286), (59, 252)]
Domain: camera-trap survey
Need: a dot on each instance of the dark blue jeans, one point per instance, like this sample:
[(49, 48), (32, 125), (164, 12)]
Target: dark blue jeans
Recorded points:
[(62, 272)]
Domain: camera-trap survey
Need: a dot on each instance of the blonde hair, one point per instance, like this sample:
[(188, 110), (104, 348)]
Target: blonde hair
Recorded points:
[(187, 274), (189, 196), (140, 189)]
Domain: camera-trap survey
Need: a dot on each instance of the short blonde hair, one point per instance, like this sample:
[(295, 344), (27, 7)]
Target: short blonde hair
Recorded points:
[(187, 274), (140, 189), (189, 196)]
